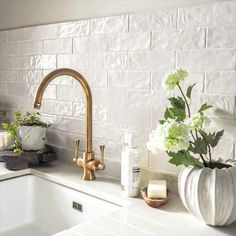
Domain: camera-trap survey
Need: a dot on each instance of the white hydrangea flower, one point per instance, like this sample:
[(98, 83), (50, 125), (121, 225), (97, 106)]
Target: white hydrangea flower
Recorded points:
[(172, 79), (197, 121), (170, 136)]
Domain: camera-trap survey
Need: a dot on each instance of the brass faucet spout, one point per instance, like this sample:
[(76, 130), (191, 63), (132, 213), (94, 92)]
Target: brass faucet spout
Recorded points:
[(88, 155), (76, 75)]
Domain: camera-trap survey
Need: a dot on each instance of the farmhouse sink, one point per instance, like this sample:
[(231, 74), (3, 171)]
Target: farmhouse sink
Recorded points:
[(30, 205)]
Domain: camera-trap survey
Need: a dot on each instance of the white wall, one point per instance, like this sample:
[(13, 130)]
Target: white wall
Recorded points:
[(20, 13), (124, 59)]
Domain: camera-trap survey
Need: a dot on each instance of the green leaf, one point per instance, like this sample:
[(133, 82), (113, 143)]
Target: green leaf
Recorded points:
[(175, 113), (218, 136), (199, 146), (189, 90), (162, 121), (177, 109), (212, 138), (184, 158), (177, 102), (204, 107)]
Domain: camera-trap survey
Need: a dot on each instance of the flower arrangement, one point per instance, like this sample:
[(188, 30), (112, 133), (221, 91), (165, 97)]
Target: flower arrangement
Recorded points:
[(181, 134)]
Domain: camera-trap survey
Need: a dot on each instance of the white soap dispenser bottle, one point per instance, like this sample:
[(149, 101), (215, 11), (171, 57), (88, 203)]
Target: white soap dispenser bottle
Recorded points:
[(130, 164)]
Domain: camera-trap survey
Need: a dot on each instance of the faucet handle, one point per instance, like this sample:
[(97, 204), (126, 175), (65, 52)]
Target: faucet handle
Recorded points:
[(76, 155), (101, 165), (102, 150)]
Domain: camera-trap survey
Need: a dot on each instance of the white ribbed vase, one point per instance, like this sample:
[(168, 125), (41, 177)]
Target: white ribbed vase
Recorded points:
[(209, 194)]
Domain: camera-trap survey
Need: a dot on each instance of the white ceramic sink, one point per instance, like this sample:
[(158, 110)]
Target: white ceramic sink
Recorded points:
[(31, 206)]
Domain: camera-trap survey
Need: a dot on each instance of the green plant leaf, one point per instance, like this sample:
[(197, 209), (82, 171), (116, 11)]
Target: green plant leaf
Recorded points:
[(162, 121), (212, 138), (177, 102), (33, 119), (175, 113), (184, 158), (199, 146), (189, 90), (204, 107)]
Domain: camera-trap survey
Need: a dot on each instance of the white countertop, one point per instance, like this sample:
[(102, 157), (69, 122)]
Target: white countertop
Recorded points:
[(134, 218)]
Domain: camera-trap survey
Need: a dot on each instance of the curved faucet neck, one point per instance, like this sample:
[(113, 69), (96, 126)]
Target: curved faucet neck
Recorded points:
[(76, 75)]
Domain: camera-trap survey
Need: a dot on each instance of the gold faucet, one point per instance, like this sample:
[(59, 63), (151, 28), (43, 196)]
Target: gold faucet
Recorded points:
[(88, 161)]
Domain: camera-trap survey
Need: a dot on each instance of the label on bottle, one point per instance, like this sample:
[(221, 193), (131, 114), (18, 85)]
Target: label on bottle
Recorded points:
[(131, 177)]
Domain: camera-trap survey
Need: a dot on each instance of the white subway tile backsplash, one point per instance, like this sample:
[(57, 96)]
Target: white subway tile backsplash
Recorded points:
[(70, 93), (97, 43), (8, 49), (44, 32), (8, 102), (124, 59), (25, 103), (30, 47), (73, 61), (97, 61), (113, 24), (33, 33), (116, 60), (70, 124), (57, 107), (3, 88), (9, 76), (73, 29), (139, 98), (13, 62), (95, 77), (202, 15), (43, 62), (99, 111), (17, 89), (107, 131), (221, 83), (57, 46), (113, 60), (109, 96), (179, 39), (152, 60), (3, 36), (130, 41), (208, 15), (19, 34), (224, 150), (151, 21), (129, 117), (129, 79), (222, 37), (30, 76), (206, 60)]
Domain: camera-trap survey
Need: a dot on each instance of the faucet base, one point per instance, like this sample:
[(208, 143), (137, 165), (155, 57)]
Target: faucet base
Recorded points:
[(88, 175)]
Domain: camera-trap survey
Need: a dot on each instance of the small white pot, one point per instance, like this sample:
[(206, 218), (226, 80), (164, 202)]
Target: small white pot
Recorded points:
[(209, 194), (32, 137)]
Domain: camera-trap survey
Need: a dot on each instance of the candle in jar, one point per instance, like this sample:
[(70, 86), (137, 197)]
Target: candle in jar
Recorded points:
[(157, 189), (5, 140)]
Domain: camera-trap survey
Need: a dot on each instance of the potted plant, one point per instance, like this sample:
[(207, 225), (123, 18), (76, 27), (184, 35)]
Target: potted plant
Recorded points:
[(15, 160), (207, 187), (32, 132)]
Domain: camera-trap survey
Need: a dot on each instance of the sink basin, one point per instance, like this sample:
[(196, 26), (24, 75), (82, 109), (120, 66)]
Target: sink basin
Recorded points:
[(30, 205)]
